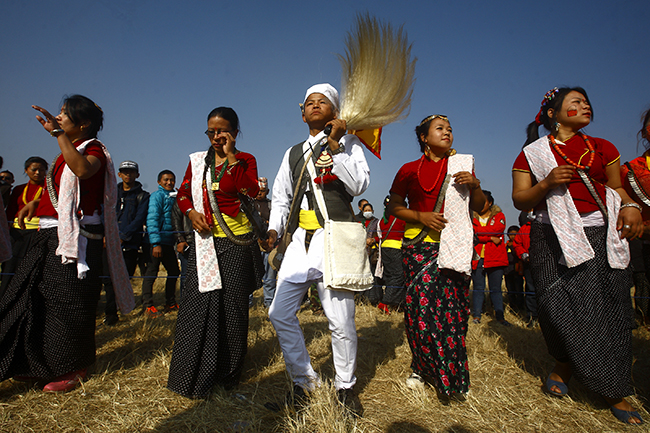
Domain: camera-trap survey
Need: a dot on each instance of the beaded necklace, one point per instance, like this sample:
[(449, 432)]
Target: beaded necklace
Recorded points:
[(592, 152), (215, 184), (435, 182)]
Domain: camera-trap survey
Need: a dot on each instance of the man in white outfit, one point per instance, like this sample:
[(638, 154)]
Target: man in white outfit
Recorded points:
[(303, 260)]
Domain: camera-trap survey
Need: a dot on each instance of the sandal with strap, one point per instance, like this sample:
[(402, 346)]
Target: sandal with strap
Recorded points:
[(625, 415), (550, 383)]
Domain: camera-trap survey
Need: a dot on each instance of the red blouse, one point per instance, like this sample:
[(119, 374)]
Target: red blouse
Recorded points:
[(576, 150), (92, 189), (240, 178), (16, 202), (412, 179)]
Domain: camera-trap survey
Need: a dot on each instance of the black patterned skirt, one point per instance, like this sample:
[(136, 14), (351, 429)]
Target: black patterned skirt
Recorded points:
[(436, 316), (47, 315), (212, 328), (585, 312)]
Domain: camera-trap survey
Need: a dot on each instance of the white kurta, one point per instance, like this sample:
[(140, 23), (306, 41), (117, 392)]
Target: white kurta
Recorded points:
[(352, 169), (300, 268)]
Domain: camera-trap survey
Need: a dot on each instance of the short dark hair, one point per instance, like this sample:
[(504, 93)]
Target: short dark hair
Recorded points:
[(35, 160), (81, 109), (513, 229), (488, 196), (7, 171), (368, 204), (532, 130), (361, 201), (164, 172)]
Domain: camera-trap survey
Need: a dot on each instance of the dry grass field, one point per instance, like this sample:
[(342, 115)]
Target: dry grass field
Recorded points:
[(126, 391)]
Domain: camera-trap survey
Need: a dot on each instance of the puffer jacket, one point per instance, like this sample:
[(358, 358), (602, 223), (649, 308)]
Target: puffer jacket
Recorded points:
[(495, 255), (159, 218), (131, 209)]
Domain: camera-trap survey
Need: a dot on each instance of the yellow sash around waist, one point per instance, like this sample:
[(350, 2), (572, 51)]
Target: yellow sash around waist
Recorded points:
[(308, 221), (239, 225), (392, 243), (29, 225), (412, 230)]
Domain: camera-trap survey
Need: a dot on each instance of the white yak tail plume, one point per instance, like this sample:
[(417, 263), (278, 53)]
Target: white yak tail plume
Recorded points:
[(378, 75)]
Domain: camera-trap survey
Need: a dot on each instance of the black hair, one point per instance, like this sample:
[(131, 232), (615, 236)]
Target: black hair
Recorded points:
[(513, 229), (81, 110), (386, 200), (488, 197), (423, 129), (35, 160), (368, 204), (361, 201), (6, 171), (523, 218), (225, 113), (645, 120), (164, 172), (532, 130)]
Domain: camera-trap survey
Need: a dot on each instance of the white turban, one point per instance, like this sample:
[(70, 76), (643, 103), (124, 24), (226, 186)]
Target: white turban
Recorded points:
[(326, 89)]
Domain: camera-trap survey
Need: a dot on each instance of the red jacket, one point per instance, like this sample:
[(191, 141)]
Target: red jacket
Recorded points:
[(495, 255), (522, 240)]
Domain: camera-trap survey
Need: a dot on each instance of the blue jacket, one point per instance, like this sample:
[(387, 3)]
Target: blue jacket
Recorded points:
[(131, 210), (159, 218)]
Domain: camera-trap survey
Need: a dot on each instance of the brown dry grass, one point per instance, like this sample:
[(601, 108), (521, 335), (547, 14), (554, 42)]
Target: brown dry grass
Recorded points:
[(126, 392)]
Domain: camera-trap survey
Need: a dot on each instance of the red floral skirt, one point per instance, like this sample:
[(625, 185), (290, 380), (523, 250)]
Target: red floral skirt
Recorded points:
[(436, 316)]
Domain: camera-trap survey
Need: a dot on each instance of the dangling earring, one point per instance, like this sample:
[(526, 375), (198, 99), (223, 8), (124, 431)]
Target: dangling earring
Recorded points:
[(450, 152), (82, 127), (427, 151), (556, 126)]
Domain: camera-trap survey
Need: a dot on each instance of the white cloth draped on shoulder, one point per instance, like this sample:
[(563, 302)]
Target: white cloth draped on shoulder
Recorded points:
[(566, 219)]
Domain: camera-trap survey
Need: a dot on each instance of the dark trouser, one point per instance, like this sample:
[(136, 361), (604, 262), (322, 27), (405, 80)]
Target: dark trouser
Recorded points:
[(494, 276), (531, 300), (131, 261), (390, 288), (169, 261), (515, 286)]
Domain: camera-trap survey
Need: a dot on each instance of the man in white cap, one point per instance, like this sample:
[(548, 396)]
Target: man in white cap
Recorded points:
[(344, 174)]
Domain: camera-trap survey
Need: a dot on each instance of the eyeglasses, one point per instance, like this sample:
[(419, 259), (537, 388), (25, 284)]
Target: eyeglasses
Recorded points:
[(211, 132)]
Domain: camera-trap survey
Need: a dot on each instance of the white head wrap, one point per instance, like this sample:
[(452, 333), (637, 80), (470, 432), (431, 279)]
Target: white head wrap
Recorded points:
[(326, 89)]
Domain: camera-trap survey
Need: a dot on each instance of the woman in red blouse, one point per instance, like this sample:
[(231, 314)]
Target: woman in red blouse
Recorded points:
[(224, 266), (47, 315), (436, 309), (35, 169), (578, 261)]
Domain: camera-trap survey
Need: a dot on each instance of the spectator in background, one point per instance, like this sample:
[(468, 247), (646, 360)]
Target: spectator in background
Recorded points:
[(184, 234), (389, 290), (513, 274), (35, 169), (159, 227), (131, 209), (361, 204), (5, 243), (522, 249), (6, 180), (489, 225), (263, 205)]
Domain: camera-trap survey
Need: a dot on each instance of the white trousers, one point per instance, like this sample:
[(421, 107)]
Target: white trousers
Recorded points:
[(339, 308)]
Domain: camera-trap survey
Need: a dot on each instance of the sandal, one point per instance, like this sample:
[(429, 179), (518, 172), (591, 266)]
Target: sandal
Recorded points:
[(625, 415), (550, 383)]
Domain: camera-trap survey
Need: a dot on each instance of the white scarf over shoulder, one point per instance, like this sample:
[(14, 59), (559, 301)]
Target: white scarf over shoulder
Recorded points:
[(72, 246), (457, 238), (565, 218), (207, 265)]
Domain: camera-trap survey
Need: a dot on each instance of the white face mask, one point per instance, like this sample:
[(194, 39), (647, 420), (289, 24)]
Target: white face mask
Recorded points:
[(367, 215)]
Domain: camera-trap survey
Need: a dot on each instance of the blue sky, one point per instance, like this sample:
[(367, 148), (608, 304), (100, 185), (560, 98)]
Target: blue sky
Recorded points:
[(158, 68)]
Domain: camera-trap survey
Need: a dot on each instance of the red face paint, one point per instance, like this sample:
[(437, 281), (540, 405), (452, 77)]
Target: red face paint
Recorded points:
[(571, 111)]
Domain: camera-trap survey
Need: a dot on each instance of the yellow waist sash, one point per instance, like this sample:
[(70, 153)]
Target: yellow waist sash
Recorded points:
[(412, 230), (238, 225), (392, 243), (29, 225), (308, 221)]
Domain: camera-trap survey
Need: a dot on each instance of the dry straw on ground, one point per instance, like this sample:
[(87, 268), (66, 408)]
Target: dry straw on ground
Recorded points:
[(126, 391)]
